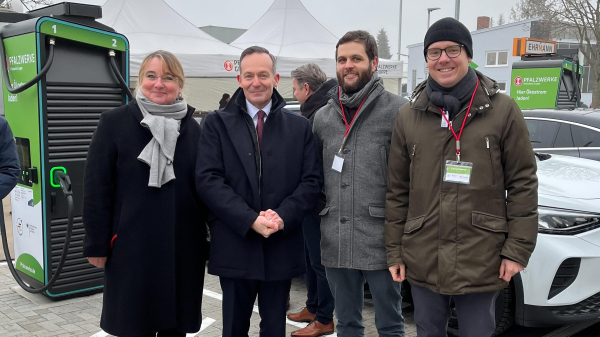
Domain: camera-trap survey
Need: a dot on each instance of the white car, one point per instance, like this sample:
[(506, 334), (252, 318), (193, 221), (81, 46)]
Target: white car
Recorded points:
[(561, 283)]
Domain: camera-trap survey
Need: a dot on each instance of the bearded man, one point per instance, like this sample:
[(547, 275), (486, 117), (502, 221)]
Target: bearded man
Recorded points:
[(353, 132)]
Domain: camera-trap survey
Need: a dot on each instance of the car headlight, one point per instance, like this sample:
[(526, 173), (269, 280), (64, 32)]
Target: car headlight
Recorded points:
[(555, 221)]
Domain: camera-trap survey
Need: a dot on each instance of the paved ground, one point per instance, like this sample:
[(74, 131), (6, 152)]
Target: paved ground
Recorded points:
[(8, 220), (23, 314)]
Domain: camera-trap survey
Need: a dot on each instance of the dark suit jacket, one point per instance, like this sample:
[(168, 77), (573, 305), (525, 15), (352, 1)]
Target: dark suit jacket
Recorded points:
[(229, 180)]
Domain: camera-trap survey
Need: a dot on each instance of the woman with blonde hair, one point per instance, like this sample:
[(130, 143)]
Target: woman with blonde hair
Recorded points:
[(144, 221)]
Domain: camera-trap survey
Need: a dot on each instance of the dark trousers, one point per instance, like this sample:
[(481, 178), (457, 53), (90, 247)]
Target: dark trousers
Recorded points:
[(347, 286), (166, 333), (476, 313), (238, 301), (319, 300)]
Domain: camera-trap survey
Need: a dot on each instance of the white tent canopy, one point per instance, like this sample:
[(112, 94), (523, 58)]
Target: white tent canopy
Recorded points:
[(295, 37), (151, 25)]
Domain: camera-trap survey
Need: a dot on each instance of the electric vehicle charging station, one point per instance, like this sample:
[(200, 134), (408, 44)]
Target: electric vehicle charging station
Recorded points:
[(75, 64), (546, 81)]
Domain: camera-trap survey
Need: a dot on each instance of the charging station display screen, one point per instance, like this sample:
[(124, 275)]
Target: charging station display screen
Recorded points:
[(24, 153)]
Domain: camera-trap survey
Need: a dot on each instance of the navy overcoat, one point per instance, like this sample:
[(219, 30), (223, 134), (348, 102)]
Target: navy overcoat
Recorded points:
[(236, 184)]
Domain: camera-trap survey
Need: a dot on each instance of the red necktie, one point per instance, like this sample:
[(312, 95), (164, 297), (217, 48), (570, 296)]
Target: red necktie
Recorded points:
[(259, 127)]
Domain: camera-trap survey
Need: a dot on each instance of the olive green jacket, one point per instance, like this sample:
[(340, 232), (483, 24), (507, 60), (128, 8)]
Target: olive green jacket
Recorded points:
[(452, 237)]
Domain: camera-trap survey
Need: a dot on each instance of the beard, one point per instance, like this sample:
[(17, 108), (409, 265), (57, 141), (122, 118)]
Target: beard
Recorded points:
[(363, 78)]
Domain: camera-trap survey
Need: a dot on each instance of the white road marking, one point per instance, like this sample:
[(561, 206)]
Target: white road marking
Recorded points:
[(219, 297), (213, 294), (206, 323), (101, 333), (2, 264)]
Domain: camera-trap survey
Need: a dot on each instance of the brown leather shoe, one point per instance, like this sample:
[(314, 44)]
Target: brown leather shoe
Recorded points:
[(303, 316), (314, 329)]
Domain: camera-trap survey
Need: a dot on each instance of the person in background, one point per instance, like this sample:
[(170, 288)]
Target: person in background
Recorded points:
[(259, 174), (224, 100), (310, 87), (353, 131), (144, 221), (461, 206)]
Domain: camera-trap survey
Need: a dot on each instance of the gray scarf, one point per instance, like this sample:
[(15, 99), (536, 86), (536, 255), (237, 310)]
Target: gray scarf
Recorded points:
[(354, 100), (163, 121), (451, 99)]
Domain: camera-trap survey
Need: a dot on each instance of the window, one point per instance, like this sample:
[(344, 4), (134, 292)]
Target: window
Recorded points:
[(502, 86), (496, 58), (584, 137), (541, 133), (563, 138)]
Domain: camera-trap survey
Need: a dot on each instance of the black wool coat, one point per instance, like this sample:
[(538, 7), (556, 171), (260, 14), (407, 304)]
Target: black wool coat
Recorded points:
[(155, 238), (230, 181)]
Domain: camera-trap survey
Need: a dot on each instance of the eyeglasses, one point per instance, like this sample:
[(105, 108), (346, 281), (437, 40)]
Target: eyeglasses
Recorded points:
[(434, 54), (166, 78)]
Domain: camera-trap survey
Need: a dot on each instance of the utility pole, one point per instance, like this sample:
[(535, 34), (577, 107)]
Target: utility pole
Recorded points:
[(400, 48), (429, 10), (457, 9)]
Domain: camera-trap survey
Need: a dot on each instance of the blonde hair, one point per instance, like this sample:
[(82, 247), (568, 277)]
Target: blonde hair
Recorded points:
[(170, 64)]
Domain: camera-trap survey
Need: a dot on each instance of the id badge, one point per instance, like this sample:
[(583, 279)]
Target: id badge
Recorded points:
[(458, 172), (338, 162), (444, 123)]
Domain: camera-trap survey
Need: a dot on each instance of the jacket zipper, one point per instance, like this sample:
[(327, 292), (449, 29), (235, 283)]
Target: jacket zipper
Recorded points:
[(412, 177), (487, 144)]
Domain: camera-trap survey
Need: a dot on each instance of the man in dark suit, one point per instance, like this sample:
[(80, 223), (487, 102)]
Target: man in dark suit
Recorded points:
[(259, 173)]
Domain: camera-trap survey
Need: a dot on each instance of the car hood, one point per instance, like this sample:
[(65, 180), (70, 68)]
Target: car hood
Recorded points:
[(562, 178)]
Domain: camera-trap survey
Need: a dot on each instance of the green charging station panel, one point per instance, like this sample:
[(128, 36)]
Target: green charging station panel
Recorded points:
[(543, 84), (53, 122)]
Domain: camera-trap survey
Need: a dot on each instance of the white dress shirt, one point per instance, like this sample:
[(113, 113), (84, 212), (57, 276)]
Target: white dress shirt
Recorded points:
[(253, 111)]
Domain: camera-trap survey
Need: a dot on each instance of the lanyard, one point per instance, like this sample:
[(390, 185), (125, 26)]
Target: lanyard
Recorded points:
[(344, 116), (463, 124)]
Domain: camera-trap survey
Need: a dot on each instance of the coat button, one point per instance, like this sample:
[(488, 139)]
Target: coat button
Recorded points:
[(346, 151), (480, 107), (342, 221), (487, 105), (344, 185)]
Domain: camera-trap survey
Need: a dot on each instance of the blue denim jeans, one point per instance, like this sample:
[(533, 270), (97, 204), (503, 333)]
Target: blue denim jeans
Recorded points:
[(347, 286)]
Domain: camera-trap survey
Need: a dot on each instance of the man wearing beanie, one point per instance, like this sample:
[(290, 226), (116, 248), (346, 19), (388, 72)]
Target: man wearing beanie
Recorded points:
[(461, 204), (353, 132)]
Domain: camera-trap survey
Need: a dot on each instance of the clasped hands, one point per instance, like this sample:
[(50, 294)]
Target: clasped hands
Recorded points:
[(267, 223)]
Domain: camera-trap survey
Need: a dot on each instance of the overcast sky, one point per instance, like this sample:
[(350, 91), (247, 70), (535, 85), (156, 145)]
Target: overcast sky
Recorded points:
[(340, 16)]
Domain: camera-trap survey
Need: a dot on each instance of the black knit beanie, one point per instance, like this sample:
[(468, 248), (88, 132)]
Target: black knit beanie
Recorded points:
[(449, 29)]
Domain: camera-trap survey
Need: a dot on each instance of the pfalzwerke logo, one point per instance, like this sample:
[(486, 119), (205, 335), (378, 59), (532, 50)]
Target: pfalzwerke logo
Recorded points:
[(228, 65), (20, 226), (518, 81)]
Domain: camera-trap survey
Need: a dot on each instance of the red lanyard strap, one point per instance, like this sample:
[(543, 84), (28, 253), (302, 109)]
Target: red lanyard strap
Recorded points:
[(464, 120), (344, 115)]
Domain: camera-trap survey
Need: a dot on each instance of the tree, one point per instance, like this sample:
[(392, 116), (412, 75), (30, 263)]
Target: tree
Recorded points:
[(383, 45), (28, 4), (583, 16), (501, 20), (548, 27), (528, 9)]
